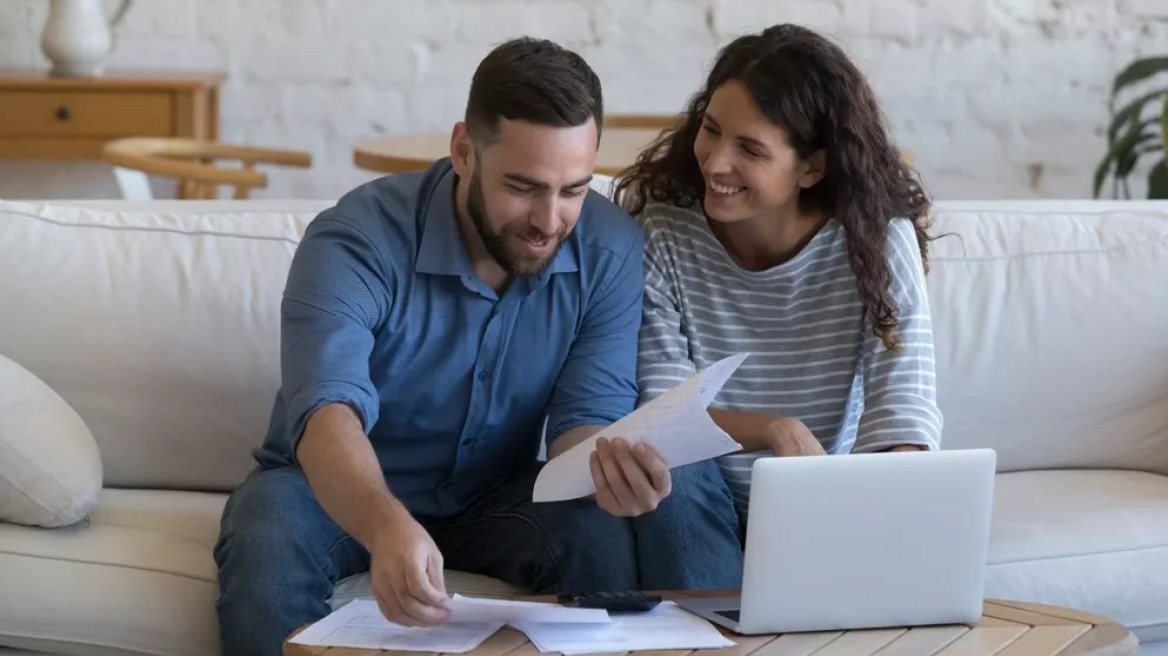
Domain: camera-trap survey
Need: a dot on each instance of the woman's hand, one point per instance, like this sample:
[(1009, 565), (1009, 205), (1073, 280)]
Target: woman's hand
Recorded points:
[(789, 437)]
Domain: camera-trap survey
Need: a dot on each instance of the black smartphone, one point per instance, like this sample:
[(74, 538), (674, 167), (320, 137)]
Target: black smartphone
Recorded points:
[(614, 602)]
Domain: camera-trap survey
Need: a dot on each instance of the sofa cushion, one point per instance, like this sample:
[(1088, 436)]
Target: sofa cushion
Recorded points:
[(160, 327), (138, 577), (50, 468), (1038, 307), (1093, 540), (1051, 329)]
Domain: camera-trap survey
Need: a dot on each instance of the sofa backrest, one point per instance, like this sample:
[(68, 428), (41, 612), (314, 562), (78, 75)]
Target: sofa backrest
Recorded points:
[(1051, 331), (159, 324)]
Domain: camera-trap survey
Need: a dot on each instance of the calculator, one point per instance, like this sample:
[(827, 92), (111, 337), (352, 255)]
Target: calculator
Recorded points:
[(616, 602)]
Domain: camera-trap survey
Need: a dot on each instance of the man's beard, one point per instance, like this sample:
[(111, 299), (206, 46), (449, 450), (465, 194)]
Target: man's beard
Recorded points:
[(499, 244)]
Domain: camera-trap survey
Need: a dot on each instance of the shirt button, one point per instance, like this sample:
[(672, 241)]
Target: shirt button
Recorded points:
[(484, 375), (468, 442)]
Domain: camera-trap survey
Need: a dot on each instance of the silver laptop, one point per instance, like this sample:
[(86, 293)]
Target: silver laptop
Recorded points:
[(862, 541)]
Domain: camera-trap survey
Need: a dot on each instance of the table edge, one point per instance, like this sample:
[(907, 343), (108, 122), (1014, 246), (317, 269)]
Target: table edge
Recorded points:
[(1126, 645)]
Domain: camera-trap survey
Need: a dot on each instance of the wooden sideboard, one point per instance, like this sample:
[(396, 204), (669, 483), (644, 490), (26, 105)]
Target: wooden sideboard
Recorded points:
[(43, 117)]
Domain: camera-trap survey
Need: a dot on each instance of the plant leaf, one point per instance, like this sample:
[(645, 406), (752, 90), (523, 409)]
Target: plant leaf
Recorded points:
[(1127, 160), (1125, 163), (1151, 145), (1158, 181), (1132, 112), (1101, 174), (1164, 126), (1122, 153), (1140, 69)]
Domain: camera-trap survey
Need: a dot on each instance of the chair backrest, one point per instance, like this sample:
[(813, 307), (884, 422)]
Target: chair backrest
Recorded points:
[(641, 120), (192, 163), (134, 185)]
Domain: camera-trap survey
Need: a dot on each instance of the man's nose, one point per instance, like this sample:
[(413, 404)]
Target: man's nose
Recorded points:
[(545, 217)]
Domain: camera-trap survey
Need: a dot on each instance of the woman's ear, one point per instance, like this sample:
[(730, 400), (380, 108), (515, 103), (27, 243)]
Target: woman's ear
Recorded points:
[(813, 169)]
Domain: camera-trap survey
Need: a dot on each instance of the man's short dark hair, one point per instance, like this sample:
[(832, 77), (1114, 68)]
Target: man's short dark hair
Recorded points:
[(532, 80)]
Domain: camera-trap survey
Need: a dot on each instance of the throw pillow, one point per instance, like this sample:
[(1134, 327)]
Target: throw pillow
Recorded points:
[(50, 468)]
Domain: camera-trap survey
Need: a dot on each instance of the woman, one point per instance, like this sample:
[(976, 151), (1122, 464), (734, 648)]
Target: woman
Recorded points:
[(781, 221)]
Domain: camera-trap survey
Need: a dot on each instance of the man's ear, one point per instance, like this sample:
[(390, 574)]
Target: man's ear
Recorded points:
[(461, 150), (813, 169)]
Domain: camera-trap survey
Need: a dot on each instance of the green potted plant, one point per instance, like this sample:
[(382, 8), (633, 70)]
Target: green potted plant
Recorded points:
[(1138, 130)]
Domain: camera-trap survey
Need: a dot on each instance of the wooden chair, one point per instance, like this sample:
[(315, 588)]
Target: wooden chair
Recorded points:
[(191, 162)]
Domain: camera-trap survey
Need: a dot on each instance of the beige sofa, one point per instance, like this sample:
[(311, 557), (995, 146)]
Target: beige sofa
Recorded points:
[(158, 324)]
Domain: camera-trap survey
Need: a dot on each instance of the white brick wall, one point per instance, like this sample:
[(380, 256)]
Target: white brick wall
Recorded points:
[(995, 98)]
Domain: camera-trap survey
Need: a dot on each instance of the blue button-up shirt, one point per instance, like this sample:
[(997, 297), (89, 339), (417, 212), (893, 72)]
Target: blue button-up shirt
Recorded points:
[(452, 381)]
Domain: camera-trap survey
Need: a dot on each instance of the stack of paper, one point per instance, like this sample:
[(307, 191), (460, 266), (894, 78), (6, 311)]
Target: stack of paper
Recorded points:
[(360, 624), (507, 611), (550, 627), (665, 627)]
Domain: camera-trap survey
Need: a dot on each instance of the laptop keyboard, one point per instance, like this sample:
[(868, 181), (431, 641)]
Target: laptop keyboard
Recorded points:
[(731, 615)]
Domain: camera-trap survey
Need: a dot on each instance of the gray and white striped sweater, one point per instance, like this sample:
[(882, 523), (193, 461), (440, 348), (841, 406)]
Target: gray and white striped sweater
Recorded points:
[(813, 354)]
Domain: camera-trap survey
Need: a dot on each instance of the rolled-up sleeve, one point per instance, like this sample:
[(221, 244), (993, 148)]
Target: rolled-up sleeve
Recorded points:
[(338, 292), (597, 384)]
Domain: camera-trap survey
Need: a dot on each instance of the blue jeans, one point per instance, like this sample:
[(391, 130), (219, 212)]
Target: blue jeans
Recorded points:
[(279, 555)]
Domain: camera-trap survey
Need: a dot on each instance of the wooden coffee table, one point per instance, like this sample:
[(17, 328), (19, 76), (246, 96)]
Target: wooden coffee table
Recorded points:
[(1007, 628)]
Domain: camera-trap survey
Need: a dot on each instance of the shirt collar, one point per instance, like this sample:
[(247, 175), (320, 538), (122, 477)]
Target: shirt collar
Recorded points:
[(443, 252)]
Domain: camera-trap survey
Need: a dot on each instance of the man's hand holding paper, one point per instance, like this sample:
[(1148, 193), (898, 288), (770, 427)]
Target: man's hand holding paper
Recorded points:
[(672, 430), (630, 478)]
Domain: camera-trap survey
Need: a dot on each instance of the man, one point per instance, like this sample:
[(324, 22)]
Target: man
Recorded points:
[(431, 321)]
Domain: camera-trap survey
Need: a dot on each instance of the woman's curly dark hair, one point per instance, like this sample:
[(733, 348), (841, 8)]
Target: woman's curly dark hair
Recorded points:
[(807, 86)]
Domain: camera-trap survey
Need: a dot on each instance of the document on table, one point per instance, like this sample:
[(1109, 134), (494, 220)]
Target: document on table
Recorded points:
[(676, 424), (665, 627), (360, 625), (506, 611)]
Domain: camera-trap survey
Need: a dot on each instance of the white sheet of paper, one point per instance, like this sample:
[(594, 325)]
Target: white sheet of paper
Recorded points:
[(506, 611), (676, 424), (664, 627), (359, 624)]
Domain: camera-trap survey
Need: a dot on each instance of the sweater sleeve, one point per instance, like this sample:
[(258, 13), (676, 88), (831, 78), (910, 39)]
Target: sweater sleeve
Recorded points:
[(663, 358), (900, 388)]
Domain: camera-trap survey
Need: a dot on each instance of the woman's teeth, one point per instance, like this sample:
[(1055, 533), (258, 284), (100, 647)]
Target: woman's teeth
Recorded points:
[(725, 190)]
